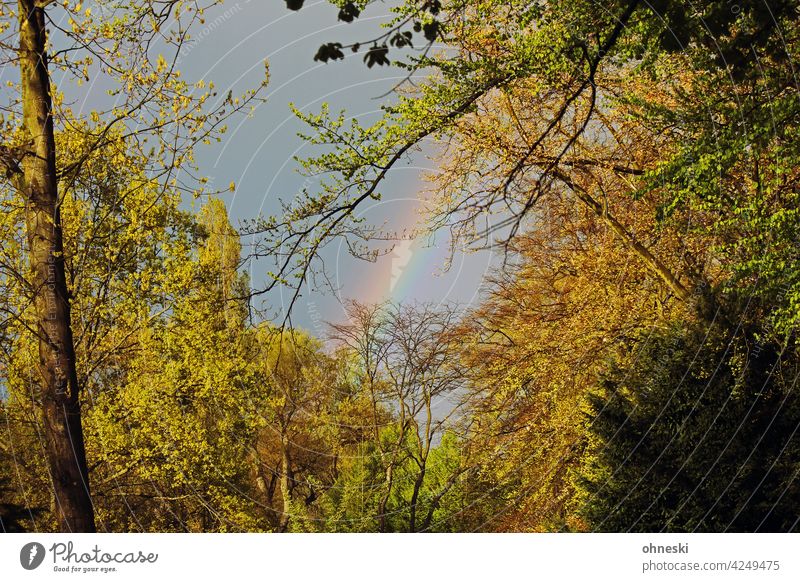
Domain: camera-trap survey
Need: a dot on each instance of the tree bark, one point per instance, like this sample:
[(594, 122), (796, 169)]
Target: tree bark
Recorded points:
[(37, 183), (285, 493), (412, 522)]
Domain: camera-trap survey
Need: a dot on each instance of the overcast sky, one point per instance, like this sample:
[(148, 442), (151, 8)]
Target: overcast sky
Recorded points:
[(258, 152)]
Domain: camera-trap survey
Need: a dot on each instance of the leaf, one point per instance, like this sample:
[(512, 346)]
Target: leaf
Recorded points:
[(377, 56), (329, 51), (401, 39), (431, 30), (349, 12)]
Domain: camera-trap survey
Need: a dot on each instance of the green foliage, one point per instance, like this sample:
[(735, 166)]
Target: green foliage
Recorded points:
[(24, 493), (179, 424), (159, 324), (697, 433), (610, 149), (732, 161), (353, 501)]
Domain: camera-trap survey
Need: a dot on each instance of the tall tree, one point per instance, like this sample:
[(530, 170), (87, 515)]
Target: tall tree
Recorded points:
[(36, 179), (170, 437), (295, 447), (407, 358), (155, 102), (696, 433)]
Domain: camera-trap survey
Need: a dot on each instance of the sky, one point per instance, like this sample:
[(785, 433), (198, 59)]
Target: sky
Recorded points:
[(258, 153)]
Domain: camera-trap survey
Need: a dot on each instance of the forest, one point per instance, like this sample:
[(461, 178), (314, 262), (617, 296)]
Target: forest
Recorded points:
[(631, 365)]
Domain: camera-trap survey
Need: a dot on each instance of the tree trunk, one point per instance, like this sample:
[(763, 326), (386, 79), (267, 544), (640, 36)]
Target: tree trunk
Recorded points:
[(59, 382), (385, 498), (285, 494), (412, 522)]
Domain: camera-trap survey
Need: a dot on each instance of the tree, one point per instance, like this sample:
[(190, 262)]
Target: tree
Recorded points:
[(406, 357), (295, 449), (477, 70), (697, 433), (124, 237), (574, 296), (35, 179), (170, 438), (558, 125), (561, 64), (162, 344), (154, 102)]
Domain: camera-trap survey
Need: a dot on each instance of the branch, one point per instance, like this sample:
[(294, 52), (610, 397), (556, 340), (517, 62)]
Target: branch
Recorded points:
[(601, 210)]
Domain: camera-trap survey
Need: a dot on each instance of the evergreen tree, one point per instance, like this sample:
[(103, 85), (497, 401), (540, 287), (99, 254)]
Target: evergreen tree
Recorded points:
[(697, 433)]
